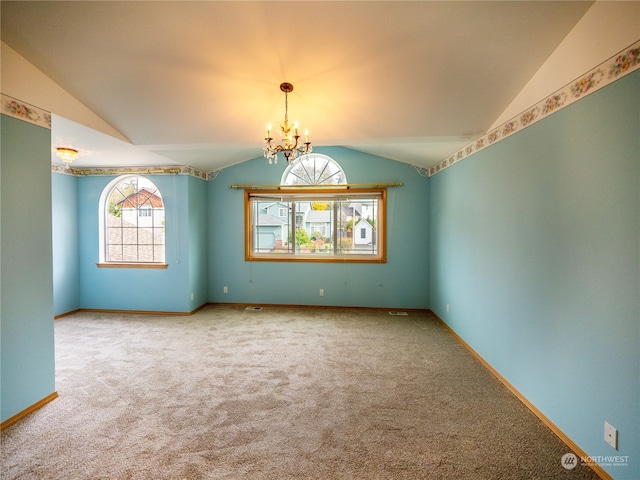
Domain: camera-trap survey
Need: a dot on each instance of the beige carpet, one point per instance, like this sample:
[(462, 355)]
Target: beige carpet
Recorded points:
[(276, 394)]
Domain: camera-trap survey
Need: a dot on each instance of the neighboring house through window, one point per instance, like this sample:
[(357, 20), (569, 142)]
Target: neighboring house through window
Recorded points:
[(132, 222)]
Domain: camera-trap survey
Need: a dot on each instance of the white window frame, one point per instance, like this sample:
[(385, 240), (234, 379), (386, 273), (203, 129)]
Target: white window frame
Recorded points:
[(103, 206)]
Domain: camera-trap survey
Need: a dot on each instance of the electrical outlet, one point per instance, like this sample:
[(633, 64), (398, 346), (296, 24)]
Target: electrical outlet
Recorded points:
[(225, 289), (611, 435), (448, 309), (322, 292), (192, 296)]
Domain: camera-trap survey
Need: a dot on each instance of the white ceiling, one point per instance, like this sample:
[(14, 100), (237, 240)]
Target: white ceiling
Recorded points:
[(195, 83)]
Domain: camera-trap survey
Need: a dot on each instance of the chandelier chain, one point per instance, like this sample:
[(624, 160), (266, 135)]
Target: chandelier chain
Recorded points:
[(286, 109)]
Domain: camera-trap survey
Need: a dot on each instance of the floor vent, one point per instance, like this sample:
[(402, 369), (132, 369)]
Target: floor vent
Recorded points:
[(398, 313), (253, 309)]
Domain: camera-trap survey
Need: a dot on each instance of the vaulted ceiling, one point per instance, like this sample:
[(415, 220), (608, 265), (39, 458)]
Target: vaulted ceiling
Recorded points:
[(195, 83)]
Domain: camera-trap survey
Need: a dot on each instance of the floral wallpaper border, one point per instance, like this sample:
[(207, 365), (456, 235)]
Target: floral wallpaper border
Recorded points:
[(83, 172), (18, 109), (607, 72)]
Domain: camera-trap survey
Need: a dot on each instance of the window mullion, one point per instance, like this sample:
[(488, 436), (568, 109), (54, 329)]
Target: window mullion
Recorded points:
[(153, 233), (294, 227), (335, 227)]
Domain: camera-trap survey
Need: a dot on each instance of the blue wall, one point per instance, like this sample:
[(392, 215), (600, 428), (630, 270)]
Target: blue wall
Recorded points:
[(66, 269), (535, 246), (145, 289), (27, 350), (400, 283), (198, 248)]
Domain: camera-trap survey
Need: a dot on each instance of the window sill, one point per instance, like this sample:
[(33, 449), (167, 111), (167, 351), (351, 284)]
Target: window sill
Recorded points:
[(317, 258), (131, 265)]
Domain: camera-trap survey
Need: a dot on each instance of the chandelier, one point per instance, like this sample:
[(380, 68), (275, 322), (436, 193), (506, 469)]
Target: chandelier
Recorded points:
[(290, 138), (66, 154)]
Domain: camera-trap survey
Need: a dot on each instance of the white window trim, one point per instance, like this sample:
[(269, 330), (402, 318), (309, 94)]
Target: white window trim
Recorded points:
[(102, 232)]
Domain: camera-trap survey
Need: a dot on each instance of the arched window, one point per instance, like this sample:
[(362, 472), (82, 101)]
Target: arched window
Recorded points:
[(132, 222), (314, 169)]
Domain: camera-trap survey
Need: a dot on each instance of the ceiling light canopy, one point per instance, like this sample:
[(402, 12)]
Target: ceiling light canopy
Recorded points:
[(290, 138)]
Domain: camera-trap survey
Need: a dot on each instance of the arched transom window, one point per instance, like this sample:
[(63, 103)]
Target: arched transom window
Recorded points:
[(314, 169)]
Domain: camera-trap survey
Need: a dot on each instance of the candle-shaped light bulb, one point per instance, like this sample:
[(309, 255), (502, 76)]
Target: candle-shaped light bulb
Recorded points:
[(295, 126), (306, 135), (269, 131)]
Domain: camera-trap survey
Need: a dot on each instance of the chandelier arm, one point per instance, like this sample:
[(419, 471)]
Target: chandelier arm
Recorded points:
[(305, 147)]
